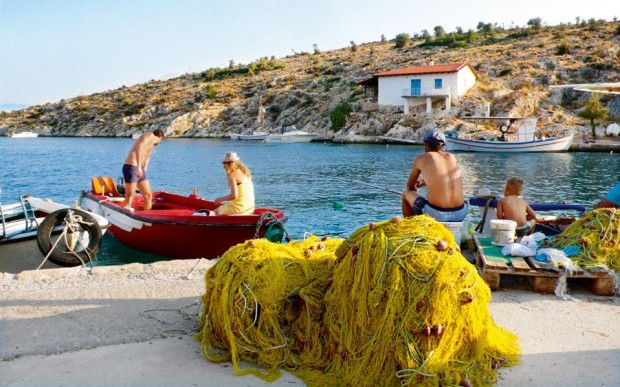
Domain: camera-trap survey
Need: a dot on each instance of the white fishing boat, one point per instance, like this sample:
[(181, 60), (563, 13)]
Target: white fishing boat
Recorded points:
[(23, 135), (136, 135), (33, 229), (517, 134), (290, 133)]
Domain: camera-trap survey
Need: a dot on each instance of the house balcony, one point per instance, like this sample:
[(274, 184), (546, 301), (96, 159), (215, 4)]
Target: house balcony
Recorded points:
[(426, 92), (414, 97)]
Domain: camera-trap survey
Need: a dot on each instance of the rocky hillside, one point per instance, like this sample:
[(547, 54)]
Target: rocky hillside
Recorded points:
[(515, 68)]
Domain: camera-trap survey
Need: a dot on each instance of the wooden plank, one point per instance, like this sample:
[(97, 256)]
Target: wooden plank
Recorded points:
[(519, 264), (484, 262), (496, 265), (541, 266)]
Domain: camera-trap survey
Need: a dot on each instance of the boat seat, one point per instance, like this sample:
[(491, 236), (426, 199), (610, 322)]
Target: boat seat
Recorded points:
[(104, 185)]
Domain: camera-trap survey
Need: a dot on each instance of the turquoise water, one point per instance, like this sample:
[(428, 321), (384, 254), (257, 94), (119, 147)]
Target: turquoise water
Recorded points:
[(306, 180)]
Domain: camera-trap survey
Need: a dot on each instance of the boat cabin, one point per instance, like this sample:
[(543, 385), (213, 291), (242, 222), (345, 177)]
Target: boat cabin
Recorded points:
[(286, 128), (518, 129)]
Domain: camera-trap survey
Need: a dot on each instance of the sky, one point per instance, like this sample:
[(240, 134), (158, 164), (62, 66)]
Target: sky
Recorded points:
[(58, 49)]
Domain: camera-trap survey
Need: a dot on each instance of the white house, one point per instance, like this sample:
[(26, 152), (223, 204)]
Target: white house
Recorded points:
[(414, 86)]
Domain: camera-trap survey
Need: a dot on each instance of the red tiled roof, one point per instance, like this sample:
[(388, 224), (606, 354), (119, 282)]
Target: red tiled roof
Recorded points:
[(435, 69)]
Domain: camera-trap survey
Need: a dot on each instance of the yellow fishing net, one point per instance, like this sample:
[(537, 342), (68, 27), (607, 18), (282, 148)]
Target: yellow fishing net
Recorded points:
[(396, 303), (598, 237)]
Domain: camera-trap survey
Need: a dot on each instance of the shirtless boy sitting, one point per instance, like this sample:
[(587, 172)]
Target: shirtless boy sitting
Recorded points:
[(136, 164), (443, 180), (512, 207)]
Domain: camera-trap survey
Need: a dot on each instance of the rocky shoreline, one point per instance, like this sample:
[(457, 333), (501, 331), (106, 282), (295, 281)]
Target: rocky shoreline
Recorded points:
[(603, 144), (323, 93)]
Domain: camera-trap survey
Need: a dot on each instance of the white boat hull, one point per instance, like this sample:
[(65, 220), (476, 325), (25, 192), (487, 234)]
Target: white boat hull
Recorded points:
[(259, 136), (116, 218), (24, 135), (302, 137), (555, 144)]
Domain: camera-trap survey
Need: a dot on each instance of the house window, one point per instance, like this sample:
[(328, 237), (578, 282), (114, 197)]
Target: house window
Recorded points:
[(438, 84)]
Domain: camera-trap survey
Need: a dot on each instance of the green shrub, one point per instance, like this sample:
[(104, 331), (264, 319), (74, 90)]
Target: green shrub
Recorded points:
[(563, 48), (275, 111), (211, 92), (338, 116), (401, 40), (292, 102)]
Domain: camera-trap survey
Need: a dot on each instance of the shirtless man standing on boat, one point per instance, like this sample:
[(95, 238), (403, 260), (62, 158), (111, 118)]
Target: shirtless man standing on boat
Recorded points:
[(136, 164), (443, 181)]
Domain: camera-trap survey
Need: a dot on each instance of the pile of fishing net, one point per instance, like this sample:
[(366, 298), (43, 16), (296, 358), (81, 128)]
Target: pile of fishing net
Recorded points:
[(394, 303), (597, 234)]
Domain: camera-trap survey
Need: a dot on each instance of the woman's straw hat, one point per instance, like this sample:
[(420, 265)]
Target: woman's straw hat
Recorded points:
[(230, 157)]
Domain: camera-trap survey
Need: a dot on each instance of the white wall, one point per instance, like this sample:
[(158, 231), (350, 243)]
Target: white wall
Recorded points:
[(467, 80), (392, 89)]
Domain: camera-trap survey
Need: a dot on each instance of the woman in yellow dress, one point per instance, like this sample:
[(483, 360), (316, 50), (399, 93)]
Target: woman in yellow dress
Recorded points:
[(240, 201)]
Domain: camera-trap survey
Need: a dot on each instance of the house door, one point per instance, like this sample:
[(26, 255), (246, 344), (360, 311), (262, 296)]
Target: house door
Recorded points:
[(416, 86)]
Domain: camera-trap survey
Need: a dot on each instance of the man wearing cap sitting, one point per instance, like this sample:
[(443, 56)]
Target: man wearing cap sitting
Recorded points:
[(443, 181)]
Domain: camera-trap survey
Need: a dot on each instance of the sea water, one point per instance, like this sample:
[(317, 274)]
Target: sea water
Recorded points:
[(318, 185)]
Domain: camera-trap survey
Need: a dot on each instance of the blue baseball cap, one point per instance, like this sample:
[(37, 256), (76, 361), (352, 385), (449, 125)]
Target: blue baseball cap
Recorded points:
[(434, 136)]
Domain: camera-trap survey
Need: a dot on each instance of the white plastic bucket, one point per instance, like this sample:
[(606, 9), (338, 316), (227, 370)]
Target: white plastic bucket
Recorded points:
[(456, 228), (503, 231)]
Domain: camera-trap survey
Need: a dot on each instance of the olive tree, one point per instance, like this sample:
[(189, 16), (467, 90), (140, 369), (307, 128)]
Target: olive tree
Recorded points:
[(594, 111)]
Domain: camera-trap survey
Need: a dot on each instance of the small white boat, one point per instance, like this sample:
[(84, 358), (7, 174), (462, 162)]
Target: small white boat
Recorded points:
[(35, 228), (136, 135), (517, 134), (253, 136), (23, 135), (290, 133)]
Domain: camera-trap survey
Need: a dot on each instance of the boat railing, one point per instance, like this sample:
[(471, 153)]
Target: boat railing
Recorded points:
[(29, 215), (426, 92), (539, 207), (557, 213), (18, 211)]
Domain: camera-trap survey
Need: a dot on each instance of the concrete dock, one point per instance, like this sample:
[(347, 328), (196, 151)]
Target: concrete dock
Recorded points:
[(133, 325)]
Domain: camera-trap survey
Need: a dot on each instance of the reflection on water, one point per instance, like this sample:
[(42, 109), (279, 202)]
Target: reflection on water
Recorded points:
[(303, 179)]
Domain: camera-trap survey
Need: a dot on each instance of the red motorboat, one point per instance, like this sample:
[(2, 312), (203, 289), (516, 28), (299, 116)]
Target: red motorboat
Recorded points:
[(178, 226)]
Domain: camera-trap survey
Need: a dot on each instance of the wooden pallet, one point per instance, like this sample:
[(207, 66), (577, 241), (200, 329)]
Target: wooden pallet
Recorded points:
[(542, 277)]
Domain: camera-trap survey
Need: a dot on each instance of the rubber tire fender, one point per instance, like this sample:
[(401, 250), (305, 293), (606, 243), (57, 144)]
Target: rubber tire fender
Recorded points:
[(62, 258)]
